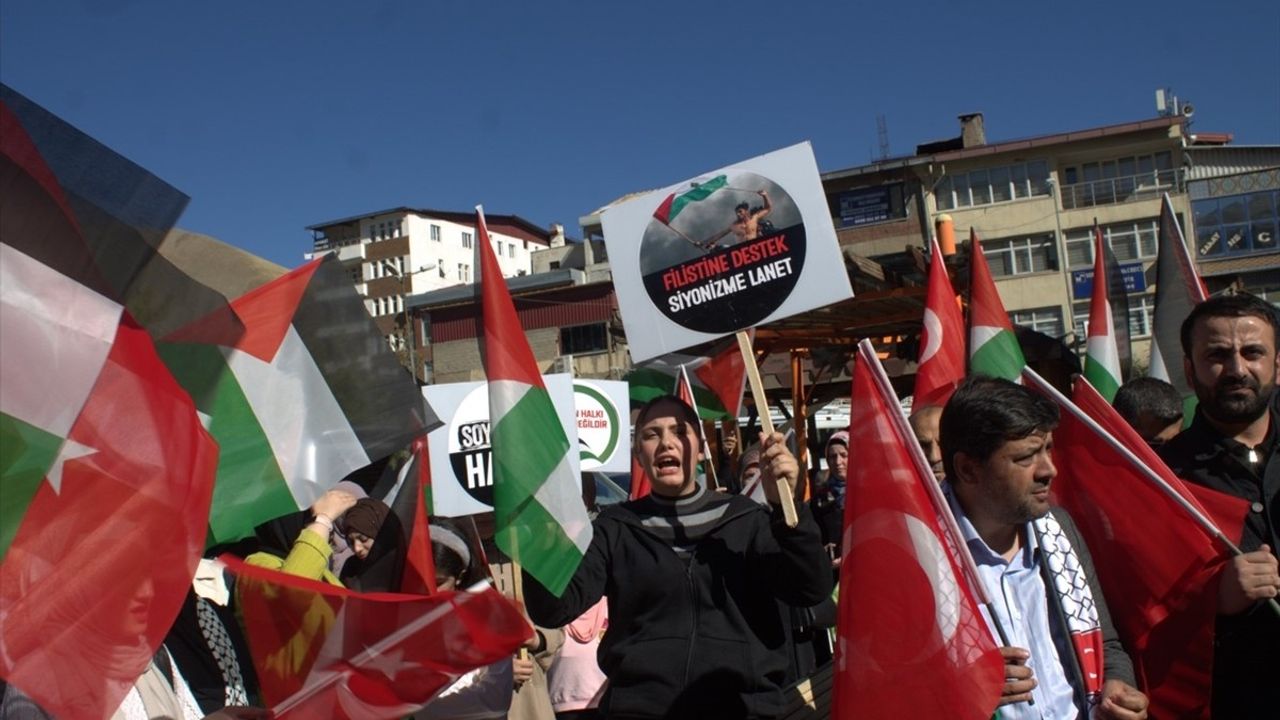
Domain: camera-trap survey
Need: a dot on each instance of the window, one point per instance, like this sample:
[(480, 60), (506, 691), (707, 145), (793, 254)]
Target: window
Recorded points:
[(1237, 224), (1047, 320), (466, 239), (435, 233), (1019, 256), (1141, 310), (464, 272), (583, 339), (357, 274), (1129, 241), (993, 185), (1117, 179)]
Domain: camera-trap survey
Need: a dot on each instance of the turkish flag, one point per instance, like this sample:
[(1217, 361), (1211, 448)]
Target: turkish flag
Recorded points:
[(1159, 567), (106, 474), (911, 640), (941, 360), (325, 651)]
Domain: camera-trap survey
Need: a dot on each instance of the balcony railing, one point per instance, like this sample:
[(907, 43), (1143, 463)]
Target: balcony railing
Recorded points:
[(1122, 189)]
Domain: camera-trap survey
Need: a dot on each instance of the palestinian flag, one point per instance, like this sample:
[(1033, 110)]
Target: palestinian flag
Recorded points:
[(540, 520), (327, 652), (1178, 289), (941, 360), (105, 471), (670, 207), (1102, 356), (308, 394), (412, 503), (717, 378), (123, 214), (993, 348)]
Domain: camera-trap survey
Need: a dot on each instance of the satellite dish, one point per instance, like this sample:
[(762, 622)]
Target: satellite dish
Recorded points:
[(1188, 110)]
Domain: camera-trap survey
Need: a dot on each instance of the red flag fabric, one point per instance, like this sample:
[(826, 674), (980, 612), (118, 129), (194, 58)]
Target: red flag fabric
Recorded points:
[(106, 473), (911, 640), (419, 564), (1159, 567), (326, 652), (639, 480), (942, 342)]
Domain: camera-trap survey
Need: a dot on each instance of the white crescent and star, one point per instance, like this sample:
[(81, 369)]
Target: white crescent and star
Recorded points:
[(932, 334), (932, 557)]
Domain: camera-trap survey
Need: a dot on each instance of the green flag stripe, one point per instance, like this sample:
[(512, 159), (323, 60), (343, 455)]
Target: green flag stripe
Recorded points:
[(646, 384), (26, 454), (998, 357), (1100, 377), (528, 443), (535, 539), (250, 487), (530, 451), (702, 192)]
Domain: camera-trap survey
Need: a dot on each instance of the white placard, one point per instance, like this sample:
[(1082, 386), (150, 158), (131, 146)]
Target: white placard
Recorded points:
[(729, 250), (461, 459), (604, 424)]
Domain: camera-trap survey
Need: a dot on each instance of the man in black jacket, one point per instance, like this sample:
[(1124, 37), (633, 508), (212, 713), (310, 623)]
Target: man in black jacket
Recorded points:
[(692, 578), (997, 439), (1230, 359)]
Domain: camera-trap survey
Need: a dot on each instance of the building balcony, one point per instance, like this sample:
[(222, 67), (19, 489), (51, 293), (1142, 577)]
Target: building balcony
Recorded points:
[(1112, 191)]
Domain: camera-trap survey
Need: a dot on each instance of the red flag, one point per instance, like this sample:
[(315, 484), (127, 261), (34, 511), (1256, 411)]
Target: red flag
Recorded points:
[(912, 642), (325, 651), (1159, 567), (419, 564), (639, 480), (941, 362), (106, 474)]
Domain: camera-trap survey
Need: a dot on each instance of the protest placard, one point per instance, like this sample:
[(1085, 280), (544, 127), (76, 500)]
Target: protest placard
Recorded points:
[(461, 455), (723, 252)]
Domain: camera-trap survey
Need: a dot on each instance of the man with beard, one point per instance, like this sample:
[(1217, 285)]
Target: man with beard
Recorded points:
[(1229, 346)]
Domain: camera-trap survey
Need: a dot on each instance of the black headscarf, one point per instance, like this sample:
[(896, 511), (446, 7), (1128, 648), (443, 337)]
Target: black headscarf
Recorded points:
[(382, 569)]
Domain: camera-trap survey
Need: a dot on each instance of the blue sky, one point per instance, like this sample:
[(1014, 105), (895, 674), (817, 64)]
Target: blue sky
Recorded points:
[(277, 115)]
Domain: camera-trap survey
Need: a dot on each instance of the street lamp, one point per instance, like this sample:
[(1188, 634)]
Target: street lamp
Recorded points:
[(408, 321)]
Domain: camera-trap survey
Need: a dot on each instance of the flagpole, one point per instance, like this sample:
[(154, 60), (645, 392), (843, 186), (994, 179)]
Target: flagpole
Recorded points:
[(925, 470), (785, 498), (1204, 522), (682, 382)]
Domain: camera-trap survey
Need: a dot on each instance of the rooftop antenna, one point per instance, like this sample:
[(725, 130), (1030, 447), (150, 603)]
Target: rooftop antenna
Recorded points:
[(1167, 104), (882, 132)]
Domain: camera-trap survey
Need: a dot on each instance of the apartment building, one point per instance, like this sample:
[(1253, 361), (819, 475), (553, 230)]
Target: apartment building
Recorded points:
[(1033, 203), (395, 253)]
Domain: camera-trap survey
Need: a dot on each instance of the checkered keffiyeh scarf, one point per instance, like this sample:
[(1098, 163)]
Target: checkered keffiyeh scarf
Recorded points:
[(219, 642), (1071, 590)]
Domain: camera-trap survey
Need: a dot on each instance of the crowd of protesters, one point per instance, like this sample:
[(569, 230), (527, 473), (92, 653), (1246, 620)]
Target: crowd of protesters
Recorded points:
[(702, 604)]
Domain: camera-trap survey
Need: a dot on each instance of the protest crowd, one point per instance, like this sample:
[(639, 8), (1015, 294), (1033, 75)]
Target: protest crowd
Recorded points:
[(1007, 548)]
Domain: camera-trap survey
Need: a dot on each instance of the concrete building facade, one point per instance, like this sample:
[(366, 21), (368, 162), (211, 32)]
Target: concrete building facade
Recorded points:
[(400, 252), (1033, 204)]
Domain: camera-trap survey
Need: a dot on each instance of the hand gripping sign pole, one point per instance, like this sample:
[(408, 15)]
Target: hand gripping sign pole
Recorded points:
[(785, 498)]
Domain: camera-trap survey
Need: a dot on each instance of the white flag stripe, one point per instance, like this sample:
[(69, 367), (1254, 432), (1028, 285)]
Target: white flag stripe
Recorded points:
[(68, 327), (312, 440), (980, 334), (561, 495)]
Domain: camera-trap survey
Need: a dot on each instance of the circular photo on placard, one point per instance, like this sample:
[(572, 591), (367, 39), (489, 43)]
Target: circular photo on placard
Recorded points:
[(470, 453), (722, 253)]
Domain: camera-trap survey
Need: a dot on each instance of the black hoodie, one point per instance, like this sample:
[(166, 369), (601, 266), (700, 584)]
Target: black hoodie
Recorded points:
[(703, 640)]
